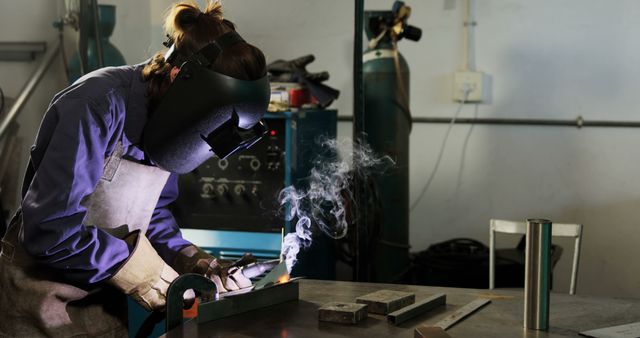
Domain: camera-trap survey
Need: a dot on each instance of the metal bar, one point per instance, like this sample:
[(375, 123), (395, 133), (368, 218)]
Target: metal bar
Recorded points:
[(97, 33), (492, 257), (28, 88), (462, 313), (576, 262), (404, 314), (577, 123), (537, 274), (253, 300)]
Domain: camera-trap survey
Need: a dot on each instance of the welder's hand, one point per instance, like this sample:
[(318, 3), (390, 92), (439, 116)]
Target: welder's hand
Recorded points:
[(226, 275), (144, 275)]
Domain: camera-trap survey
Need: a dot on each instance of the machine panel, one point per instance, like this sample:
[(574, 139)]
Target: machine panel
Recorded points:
[(237, 193), (231, 206)]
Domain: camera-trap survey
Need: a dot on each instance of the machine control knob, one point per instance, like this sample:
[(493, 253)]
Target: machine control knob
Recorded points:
[(255, 164), (207, 188), (239, 189), (223, 164), (223, 189), (274, 156), (254, 191)]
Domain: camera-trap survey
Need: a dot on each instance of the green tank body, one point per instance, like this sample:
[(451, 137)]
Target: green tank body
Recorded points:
[(387, 125)]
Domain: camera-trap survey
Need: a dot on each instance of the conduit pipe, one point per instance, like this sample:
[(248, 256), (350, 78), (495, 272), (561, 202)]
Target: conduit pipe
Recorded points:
[(28, 88)]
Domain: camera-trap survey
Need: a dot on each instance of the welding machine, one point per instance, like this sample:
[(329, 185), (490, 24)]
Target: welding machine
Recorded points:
[(230, 206)]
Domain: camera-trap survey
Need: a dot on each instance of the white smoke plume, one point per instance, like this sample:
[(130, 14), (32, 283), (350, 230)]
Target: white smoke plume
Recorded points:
[(322, 202)]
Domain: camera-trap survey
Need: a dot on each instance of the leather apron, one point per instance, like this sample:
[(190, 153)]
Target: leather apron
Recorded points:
[(35, 301)]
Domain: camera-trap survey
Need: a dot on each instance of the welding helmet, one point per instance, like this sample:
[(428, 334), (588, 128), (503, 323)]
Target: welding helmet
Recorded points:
[(205, 113)]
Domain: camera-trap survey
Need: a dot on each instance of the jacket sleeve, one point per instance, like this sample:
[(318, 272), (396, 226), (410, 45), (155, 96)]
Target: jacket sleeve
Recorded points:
[(163, 231), (67, 163)]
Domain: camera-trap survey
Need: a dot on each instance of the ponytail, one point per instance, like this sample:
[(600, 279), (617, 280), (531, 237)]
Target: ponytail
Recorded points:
[(157, 73)]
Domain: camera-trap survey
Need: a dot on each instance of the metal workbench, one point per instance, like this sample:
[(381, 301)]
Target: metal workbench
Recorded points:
[(502, 318)]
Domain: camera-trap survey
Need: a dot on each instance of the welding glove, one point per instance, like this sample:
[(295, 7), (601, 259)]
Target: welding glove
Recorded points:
[(295, 70), (144, 275), (226, 275)]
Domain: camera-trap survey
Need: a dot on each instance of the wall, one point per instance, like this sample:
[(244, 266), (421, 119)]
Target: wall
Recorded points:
[(36, 26), (31, 21), (547, 59)]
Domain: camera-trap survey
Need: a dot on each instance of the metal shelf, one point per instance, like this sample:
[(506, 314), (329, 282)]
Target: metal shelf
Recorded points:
[(21, 51)]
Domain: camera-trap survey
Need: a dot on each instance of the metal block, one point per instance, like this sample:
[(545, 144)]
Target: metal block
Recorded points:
[(345, 313), (411, 311), (386, 301)]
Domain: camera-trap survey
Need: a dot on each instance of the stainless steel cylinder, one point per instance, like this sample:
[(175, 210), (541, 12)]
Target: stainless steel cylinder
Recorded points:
[(537, 274)]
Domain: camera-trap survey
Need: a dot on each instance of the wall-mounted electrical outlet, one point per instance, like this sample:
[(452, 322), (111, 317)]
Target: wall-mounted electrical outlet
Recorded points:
[(472, 82)]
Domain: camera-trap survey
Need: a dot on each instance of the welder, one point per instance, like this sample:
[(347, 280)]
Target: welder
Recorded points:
[(95, 222)]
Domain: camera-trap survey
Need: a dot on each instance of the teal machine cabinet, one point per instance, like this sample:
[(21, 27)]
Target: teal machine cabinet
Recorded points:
[(229, 207)]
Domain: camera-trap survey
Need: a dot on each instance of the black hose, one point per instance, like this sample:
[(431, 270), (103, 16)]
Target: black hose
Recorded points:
[(63, 53), (96, 32), (3, 220), (1, 101)]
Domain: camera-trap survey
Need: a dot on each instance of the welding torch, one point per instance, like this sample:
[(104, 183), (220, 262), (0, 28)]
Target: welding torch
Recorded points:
[(256, 269)]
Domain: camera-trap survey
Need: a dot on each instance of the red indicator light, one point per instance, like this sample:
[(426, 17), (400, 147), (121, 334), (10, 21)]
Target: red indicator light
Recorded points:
[(273, 133)]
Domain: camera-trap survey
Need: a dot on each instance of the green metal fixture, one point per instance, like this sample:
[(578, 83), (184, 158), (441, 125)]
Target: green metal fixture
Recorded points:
[(387, 124)]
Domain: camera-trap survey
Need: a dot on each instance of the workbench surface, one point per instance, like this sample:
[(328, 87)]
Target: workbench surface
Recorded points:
[(502, 318)]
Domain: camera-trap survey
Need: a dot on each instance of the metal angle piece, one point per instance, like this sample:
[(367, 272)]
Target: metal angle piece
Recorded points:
[(418, 308), (430, 332), (437, 330), (273, 277), (462, 313)]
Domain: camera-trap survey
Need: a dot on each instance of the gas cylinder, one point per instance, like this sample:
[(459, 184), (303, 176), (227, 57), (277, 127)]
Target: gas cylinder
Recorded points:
[(111, 54), (387, 124)]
